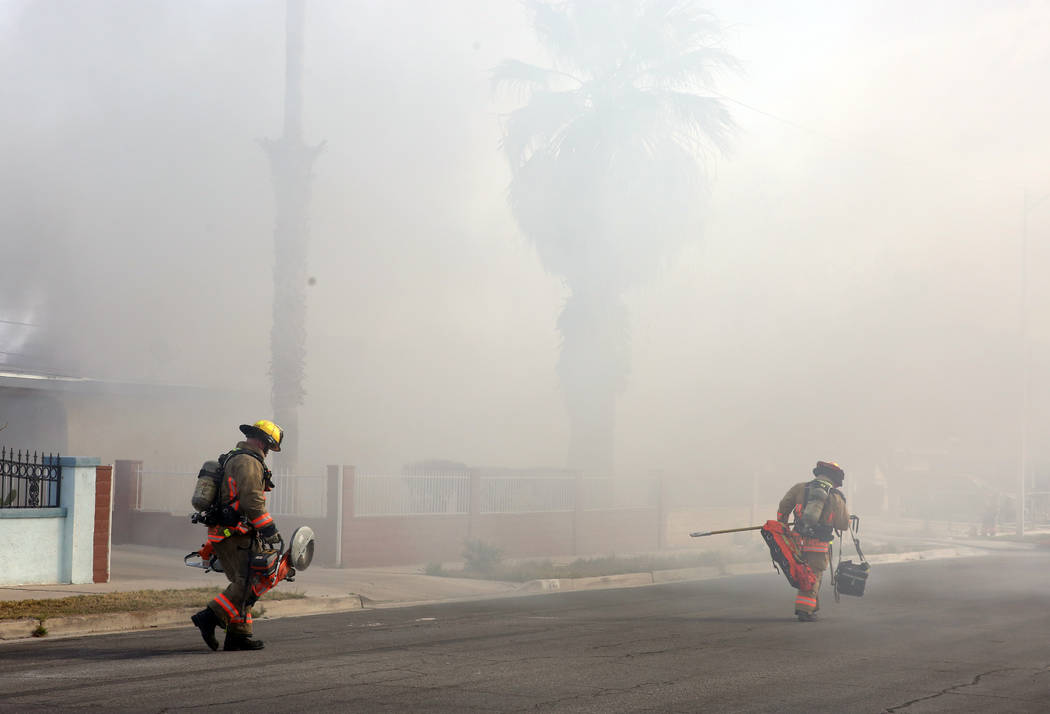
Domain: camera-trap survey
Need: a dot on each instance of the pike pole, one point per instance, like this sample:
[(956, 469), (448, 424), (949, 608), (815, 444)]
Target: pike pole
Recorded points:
[(701, 534)]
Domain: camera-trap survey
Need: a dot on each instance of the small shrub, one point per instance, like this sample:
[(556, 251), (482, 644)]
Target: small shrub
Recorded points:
[(481, 557), (40, 630), (434, 569)]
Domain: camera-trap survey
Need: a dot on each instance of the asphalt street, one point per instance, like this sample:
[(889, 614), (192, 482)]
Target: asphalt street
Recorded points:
[(960, 635)]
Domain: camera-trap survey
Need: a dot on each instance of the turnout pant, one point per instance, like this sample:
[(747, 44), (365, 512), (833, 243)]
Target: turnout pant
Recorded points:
[(235, 555), (815, 553)]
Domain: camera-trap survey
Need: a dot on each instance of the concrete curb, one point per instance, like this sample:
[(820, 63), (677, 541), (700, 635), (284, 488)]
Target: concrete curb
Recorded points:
[(624, 580), (18, 629), (309, 606), (710, 572), (77, 625)]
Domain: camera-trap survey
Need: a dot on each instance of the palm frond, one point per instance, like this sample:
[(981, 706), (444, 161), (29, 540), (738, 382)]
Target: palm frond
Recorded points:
[(523, 78), (701, 120), (555, 29), (607, 175), (538, 124), (668, 29), (692, 70)]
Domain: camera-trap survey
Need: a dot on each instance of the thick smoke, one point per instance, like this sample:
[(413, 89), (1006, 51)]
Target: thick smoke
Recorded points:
[(856, 295)]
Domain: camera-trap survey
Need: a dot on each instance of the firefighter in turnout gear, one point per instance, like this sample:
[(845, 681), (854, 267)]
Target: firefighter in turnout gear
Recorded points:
[(819, 509), (247, 527)]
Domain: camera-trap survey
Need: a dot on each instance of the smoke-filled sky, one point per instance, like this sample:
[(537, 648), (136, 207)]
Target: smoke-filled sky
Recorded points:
[(855, 294)]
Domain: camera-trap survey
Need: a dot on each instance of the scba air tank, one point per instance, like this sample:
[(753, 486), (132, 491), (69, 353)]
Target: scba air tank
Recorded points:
[(206, 493), (816, 495)]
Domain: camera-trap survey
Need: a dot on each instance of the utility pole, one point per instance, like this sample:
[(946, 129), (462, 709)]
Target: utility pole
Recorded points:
[(291, 163), (1026, 358)]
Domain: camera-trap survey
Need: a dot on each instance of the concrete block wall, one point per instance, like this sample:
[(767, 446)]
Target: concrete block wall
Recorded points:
[(55, 545), (350, 541), (408, 540)]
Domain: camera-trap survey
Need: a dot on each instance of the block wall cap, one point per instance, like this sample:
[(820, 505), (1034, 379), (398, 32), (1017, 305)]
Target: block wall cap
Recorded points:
[(73, 460), (33, 512)]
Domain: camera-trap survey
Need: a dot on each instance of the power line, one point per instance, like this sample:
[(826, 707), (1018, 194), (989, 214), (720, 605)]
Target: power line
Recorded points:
[(16, 322), (780, 119)]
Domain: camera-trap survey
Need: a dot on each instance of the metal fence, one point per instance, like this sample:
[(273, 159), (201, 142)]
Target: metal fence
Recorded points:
[(418, 494), (512, 491), (29, 480), (297, 495), (169, 490), (499, 491)]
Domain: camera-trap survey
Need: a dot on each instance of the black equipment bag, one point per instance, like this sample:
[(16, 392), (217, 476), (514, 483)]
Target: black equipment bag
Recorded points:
[(851, 578)]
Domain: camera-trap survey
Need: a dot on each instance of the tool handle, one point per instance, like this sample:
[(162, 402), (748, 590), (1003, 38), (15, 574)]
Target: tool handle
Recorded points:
[(701, 534)]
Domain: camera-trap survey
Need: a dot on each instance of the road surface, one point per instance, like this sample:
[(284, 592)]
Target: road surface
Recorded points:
[(961, 635)]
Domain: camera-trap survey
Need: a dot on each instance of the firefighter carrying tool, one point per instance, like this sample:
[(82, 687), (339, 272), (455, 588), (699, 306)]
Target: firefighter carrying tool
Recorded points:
[(802, 553), (819, 509), (785, 547), (245, 531)]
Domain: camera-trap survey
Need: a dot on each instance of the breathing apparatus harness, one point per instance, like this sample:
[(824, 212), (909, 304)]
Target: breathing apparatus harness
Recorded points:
[(206, 501), (808, 519), (222, 519), (850, 578)]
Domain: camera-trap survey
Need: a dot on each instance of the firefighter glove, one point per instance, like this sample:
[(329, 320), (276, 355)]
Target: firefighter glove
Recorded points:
[(268, 532)]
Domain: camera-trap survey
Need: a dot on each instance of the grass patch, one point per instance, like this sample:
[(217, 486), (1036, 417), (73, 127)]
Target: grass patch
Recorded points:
[(133, 601), (594, 567)]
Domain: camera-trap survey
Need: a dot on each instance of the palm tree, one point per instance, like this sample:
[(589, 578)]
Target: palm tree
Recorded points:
[(607, 174)]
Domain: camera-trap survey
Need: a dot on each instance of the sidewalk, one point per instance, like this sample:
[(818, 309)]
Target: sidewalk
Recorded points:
[(139, 567)]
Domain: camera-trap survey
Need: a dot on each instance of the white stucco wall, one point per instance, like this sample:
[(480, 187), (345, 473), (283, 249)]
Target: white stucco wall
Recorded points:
[(29, 545), (53, 545)]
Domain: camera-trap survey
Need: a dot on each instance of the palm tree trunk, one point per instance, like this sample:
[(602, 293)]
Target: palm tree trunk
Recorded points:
[(593, 369)]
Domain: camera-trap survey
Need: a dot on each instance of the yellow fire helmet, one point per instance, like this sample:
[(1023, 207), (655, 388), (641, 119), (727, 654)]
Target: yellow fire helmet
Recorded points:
[(267, 431)]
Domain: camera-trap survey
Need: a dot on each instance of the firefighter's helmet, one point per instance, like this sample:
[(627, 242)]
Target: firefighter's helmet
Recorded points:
[(831, 470), (266, 431)]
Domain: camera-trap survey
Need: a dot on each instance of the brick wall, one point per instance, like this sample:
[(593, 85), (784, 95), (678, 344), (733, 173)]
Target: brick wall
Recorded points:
[(103, 512), (410, 540), (622, 530), (400, 540), (523, 535)]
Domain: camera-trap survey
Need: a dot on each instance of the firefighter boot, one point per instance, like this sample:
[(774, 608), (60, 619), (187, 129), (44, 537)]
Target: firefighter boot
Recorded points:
[(235, 642), (807, 616), (206, 622)]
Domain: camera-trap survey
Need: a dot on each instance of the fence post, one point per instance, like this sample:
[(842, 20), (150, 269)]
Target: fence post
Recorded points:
[(127, 495), (475, 503), (78, 539), (577, 511), (661, 511), (333, 515), (103, 520), (347, 509)]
